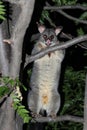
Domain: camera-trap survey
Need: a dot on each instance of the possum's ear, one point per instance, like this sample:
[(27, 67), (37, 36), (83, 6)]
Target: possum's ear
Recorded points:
[(58, 30), (41, 28)]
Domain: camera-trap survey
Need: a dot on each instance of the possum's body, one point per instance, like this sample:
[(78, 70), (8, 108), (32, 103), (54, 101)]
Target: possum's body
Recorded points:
[(44, 94)]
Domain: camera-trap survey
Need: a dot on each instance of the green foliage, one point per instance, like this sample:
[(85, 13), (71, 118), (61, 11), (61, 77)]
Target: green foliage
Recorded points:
[(21, 110), (57, 2), (12, 86), (6, 85), (2, 11), (73, 89), (3, 91), (17, 102), (52, 126), (84, 16), (7, 81), (45, 15), (80, 31), (64, 2)]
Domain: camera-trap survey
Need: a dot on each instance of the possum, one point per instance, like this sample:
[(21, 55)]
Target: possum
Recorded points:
[(43, 97)]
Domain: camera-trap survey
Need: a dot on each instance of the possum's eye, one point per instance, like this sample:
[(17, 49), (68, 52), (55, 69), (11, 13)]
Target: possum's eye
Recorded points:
[(51, 37), (45, 37)]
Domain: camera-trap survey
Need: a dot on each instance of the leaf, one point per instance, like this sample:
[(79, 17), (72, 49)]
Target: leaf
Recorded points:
[(25, 89), (84, 16), (2, 17), (21, 107), (27, 119), (2, 11), (22, 111), (15, 106), (80, 31), (12, 82), (4, 90)]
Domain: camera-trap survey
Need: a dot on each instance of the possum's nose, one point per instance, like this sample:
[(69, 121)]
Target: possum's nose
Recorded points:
[(48, 42)]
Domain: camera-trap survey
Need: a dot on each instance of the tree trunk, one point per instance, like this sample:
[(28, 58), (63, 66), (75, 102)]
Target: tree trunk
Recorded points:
[(85, 106), (8, 118)]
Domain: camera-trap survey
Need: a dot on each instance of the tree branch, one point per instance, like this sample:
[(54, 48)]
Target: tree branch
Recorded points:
[(85, 106), (65, 45), (67, 15), (66, 7), (71, 17), (58, 119)]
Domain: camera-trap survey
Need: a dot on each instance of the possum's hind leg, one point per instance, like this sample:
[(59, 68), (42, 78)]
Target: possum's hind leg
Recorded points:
[(32, 103), (53, 108)]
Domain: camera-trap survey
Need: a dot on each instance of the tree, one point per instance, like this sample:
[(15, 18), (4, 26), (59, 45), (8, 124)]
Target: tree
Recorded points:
[(21, 17), (22, 9)]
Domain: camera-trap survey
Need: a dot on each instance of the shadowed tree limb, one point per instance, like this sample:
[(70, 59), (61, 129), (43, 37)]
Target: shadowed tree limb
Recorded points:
[(59, 10), (71, 17), (64, 45), (58, 119), (66, 7)]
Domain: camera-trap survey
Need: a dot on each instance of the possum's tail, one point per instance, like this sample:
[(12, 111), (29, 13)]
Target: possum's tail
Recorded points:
[(43, 112)]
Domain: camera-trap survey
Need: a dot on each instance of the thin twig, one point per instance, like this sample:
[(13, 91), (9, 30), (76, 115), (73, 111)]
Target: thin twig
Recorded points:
[(71, 17), (67, 15), (58, 119), (82, 46), (64, 35), (65, 7)]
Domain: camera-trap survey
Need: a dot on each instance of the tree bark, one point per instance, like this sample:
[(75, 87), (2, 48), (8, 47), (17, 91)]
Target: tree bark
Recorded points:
[(85, 106), (8, 118)]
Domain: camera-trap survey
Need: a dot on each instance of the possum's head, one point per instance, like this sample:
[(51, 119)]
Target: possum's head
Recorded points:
[(48, 36)]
